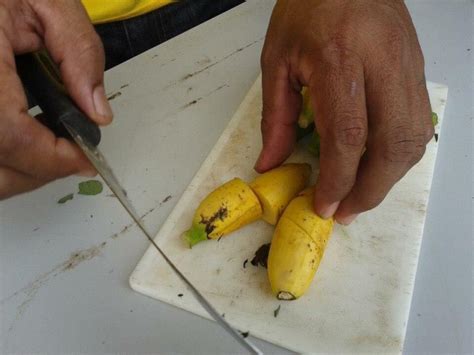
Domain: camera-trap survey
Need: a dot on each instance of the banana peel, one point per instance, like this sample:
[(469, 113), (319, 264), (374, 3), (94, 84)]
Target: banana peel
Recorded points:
[(297, 248), (227, 208), (276, 188), (236, 203)]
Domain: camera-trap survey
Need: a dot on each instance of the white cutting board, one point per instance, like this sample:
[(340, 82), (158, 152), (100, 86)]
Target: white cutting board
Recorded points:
[(360, 298)]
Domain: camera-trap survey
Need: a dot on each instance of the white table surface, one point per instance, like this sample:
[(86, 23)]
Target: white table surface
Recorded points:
[(179, 98)]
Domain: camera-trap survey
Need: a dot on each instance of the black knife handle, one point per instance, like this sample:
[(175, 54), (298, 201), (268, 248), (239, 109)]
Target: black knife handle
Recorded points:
[(39, 75)]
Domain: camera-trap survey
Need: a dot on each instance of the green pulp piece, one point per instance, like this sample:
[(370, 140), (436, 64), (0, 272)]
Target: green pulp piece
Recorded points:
[(434, 118), (66, 198), (90, 187), (197, 233), (306, 117)]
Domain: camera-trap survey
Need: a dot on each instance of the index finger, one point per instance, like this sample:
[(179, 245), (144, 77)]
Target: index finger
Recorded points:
[(281, 105), (25, 144)]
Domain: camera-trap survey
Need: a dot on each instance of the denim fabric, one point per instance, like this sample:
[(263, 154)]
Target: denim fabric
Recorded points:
[(128, 38)]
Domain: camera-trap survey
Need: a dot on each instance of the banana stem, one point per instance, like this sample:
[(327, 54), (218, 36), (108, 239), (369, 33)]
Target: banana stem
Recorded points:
[(197, 233)]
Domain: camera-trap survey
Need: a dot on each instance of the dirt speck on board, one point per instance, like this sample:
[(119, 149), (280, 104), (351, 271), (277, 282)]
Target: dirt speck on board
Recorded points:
[(191, 103), (180, 295), (81, 256), (114, 95), (66, 198), (245, 263), (261, 256), (276, 312), (245, 334), (124, 86), (166, 199)]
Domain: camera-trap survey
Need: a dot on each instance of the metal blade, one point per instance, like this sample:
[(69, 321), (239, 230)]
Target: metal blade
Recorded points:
[(104, 170)]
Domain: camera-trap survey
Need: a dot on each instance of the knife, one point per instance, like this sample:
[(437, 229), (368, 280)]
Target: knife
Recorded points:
[(42, 81)]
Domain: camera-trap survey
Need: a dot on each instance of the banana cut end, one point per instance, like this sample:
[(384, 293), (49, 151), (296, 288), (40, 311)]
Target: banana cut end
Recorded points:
[(285, 296), (197, 233)]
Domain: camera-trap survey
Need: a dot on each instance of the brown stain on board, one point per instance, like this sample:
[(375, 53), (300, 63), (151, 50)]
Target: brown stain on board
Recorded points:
[(114, 95), (195, 101), (75, 259), (190, 75)]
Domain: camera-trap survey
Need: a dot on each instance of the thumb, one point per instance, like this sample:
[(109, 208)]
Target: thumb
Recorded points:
[(281, 107), (75, 46)]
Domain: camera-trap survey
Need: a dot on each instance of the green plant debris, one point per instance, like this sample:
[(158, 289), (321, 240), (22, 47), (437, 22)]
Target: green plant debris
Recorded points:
[(90, 187), (434, 118), (66, 198), (276, 311)]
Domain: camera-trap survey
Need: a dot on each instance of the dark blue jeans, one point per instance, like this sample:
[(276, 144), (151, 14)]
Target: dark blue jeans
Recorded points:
[(128, 38)]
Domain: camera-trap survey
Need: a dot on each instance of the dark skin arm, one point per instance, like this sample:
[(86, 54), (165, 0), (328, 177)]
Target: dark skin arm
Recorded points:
[(364, 68)]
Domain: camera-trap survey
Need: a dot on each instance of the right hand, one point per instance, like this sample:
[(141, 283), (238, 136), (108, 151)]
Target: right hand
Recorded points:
[(30, 154)]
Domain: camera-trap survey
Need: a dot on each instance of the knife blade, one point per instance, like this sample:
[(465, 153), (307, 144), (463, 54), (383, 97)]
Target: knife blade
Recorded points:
[(35, 72)]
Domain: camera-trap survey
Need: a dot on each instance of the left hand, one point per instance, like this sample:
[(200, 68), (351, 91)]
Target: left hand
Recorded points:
[(364, 69)]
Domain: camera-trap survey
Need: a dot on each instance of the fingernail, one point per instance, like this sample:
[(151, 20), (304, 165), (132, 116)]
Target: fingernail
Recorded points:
[(101, 104), (87, 173), (329, 210), (347, 220)]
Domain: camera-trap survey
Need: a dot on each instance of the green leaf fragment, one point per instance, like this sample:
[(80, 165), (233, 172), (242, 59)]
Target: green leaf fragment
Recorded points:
[(434, 118), (306, 117), (66, 198), (197, 233), (90, 187)]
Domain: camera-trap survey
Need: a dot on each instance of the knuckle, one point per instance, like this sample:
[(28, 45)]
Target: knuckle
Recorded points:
[(350, 130), (9, 141), (429, 132), (88, 42), (337, 51), (264, 58), (419, 60), (403, 146), (395, 36), (269, 57)]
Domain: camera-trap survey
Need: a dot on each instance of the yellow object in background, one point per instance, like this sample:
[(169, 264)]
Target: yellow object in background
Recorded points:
[(101, 11), (297, 247)]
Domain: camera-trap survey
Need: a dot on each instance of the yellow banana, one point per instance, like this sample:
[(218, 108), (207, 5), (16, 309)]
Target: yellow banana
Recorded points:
[(236, 203), (297, 247), (277, 187), (227, 208)]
